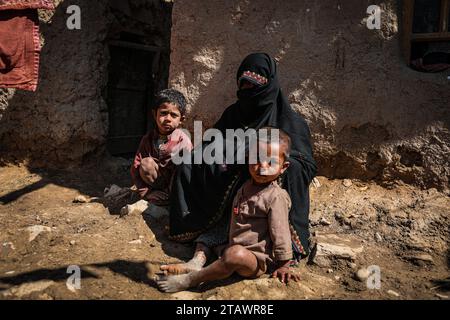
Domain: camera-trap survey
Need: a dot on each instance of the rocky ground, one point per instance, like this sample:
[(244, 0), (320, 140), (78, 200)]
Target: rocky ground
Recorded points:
[(50, 220)]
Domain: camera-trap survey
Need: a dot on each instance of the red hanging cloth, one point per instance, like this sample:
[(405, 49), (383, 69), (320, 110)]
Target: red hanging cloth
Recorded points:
[(20, 43)]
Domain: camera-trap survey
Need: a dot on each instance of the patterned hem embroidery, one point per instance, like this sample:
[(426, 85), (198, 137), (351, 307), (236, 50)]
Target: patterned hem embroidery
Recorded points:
[(254, 76), (294, 236), (26, 4), (296, 240), (185, 237)]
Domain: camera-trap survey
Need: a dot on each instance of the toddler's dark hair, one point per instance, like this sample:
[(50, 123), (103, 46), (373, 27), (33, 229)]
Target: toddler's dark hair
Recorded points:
[(171, 96), (283, 137)]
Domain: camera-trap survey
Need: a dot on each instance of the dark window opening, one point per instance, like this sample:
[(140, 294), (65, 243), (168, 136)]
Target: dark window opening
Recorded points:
[(448, 19), (426, 16), (426, 34)]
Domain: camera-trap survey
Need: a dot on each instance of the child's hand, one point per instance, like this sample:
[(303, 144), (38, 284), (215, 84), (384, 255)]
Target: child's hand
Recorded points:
[(137, 160), (149, 170), (178, 141), (285, 274)]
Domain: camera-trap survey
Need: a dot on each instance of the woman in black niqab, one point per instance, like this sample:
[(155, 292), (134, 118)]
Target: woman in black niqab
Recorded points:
[(202, 194)]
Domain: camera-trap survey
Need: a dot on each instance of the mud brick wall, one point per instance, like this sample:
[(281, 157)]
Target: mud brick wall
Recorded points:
[(66, 119), (371, 116)]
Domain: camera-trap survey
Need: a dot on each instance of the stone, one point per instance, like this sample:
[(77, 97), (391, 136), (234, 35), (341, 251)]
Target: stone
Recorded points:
[(27, 288), (378, 237), (36, 230), (393, 293), (421, 258), (347, 183), (441, 296), (314, 221), (330, 247), (7, 247), (185, 295), (136, 208), (324, 222), (138, 241), (80, 199), (338, 216), (316, 183), (362, 274), (72, 242), (330, 271), (81, 229), (352, 265)]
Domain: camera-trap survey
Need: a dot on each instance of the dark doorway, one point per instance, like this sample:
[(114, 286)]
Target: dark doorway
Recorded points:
[(131, 85)]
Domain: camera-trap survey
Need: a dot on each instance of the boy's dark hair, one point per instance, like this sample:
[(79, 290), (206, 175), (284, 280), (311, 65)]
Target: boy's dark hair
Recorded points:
[(171, 96), (283, 137)]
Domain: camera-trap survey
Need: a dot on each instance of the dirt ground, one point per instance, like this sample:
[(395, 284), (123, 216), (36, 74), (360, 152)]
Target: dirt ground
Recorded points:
[(403, 230)]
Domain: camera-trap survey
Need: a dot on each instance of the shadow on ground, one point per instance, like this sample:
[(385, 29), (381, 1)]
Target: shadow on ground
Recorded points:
[(90, 179), (135, 271)]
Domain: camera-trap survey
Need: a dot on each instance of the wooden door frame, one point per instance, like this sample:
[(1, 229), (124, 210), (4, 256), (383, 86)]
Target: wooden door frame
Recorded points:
[(154, 67)]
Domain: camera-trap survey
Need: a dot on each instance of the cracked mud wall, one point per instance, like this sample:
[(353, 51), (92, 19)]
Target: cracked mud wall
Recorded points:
[(66, 119), (370, 115), (66, 116)]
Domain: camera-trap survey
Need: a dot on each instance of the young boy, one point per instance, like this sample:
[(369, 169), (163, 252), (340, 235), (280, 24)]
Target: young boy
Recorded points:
[(152, 170), (259, 236)]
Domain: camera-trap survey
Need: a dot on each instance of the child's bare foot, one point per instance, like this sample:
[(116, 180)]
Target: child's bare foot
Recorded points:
[(174, 283), (195, 264), (182, 268)]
